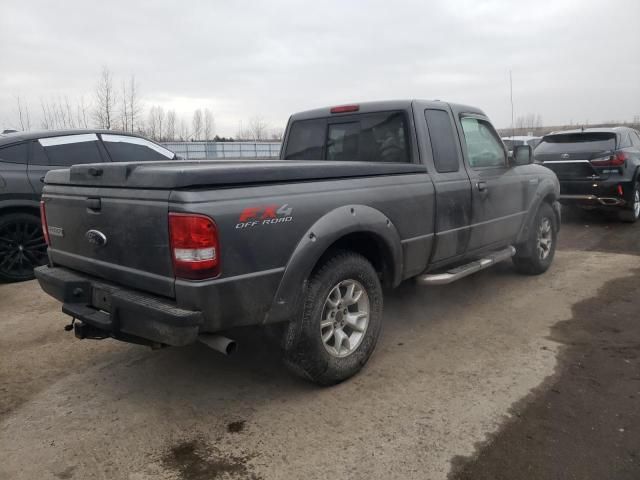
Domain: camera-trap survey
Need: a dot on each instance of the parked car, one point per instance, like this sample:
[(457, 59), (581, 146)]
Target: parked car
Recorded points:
[(25, 158), (363, 196), (597, 168)]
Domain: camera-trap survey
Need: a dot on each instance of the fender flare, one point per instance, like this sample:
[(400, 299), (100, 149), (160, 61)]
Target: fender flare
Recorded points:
[(546, 187), (330, 228)]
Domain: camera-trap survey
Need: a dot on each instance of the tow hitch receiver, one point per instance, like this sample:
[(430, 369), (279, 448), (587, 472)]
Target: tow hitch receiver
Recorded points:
[(84, 330)]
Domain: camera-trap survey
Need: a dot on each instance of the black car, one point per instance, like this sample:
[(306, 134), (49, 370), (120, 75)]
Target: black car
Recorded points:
[(25, 158), (597, 168)]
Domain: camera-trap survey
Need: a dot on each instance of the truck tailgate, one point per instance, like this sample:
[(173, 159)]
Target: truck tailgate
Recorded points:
[(117, 234)]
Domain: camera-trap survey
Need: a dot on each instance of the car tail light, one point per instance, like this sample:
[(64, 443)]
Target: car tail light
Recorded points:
[(43, 221), (345, 108), (194, 246), (615, 160)]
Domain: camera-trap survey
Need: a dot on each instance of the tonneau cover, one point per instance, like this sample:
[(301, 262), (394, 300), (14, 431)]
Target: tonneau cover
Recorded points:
[(183, 174)]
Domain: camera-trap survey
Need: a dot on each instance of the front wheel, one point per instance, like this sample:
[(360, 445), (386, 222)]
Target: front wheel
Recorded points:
[(632, 214), (340, 323), (535, 255)]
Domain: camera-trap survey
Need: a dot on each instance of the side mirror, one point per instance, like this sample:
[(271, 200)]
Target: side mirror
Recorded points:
[(522, 155)]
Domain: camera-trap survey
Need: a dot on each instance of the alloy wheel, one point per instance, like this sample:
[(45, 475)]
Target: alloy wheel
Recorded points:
[(22, 248), (345, 318), (545, 238)]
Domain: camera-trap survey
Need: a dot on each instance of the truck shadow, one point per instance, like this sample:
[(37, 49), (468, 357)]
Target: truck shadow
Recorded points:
[(203, 378)]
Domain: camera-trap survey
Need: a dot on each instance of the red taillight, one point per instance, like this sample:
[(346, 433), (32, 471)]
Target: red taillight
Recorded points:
[(618, 159), (345, 108), (194, 246), (615, 160), (43, 221)]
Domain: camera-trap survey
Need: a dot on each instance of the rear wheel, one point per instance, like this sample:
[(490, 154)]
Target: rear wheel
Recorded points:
[(632, 214), (22, 246), (341, 321), (536, 255)]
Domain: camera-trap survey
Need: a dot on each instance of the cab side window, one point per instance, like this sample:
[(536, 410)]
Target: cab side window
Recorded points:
[(484, 147), (443, 141)]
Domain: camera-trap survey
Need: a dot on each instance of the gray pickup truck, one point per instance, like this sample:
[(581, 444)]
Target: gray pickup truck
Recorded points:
[(364, 197)]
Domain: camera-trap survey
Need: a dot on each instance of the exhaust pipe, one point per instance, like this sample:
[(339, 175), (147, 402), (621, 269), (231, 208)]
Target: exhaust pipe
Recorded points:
[(219, 343), (611, 201)]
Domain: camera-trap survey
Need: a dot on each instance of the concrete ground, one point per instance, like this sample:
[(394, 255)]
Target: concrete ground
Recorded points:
[(451, 364)]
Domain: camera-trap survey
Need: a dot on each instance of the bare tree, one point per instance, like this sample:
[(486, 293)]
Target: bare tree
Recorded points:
[(134, 106), (170, 130), (105, 100), (258, 128), (277, 134), (124, 108), (24, 118), (242, 133), (197, 124), (82, 118), (62, 113), (183, 130), (208, 125)]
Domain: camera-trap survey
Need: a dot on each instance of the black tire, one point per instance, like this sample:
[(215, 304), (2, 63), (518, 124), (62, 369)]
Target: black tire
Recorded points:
[(631, 215), (22, 246), (305, 352), (528, 258)]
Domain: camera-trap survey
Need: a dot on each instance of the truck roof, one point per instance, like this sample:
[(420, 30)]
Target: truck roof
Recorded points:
[(384, 105)]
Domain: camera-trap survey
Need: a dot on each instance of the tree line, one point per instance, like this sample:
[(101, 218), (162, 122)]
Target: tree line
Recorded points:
[(120, 106)]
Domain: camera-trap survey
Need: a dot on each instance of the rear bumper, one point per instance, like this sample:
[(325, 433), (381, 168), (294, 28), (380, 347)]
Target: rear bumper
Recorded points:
[(113, 311), (593, 200), (596, 193)]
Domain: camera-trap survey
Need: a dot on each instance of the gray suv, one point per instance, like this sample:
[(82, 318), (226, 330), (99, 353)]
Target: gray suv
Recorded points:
[(25, 158)]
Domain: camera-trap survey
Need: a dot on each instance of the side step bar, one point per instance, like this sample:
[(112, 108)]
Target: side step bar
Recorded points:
[(465, 270)]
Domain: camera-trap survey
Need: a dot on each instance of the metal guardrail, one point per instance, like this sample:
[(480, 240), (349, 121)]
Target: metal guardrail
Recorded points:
[(230, 150)]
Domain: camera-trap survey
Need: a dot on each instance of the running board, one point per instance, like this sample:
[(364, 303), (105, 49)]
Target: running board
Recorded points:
[(465, 270)]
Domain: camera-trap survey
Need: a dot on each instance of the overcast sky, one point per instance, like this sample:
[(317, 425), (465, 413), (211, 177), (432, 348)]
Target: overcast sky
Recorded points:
[(572, 60)]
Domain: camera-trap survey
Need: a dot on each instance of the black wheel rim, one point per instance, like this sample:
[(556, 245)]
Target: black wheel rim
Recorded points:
[(22, 247)]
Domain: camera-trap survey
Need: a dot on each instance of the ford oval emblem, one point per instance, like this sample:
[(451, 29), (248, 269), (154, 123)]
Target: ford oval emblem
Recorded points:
[(96, 237)]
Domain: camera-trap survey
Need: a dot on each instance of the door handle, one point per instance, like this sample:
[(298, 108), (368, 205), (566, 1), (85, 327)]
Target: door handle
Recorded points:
[(482, 186), (41, 179)]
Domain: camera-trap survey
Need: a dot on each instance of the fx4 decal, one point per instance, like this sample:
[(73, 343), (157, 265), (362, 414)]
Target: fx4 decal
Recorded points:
[(264, 215)]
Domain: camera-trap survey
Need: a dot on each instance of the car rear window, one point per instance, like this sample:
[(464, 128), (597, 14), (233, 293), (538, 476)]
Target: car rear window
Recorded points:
[(124, 148), (577, 142), (378, 137)]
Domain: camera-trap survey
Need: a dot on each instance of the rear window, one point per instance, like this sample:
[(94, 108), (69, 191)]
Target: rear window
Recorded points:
[(577, 142), (123, 148), (14, 153), (378, 137)]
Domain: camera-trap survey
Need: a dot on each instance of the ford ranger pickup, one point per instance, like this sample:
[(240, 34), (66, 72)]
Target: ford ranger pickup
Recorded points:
[(364, 196)]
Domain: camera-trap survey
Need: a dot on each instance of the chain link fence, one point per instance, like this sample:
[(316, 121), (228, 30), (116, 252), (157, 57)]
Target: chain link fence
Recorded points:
[(221, 150)]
